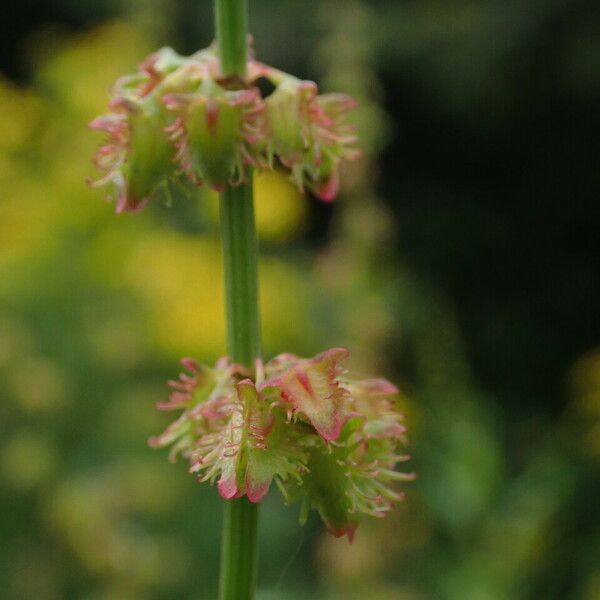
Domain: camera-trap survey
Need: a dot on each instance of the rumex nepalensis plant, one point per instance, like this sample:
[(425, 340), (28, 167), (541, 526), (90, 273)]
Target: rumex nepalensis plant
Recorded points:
[(323, 438)]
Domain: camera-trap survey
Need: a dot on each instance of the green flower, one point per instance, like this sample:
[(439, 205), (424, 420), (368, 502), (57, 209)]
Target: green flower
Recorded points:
[(176, 115), (324, 439), (307, 132), (213, 132), (137, 157)]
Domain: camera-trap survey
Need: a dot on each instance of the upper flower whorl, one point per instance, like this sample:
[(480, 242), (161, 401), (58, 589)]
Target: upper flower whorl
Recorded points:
[(177, 117)]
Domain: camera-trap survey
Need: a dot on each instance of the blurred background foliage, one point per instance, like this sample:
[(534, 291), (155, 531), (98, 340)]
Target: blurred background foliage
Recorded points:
[(460, 261)]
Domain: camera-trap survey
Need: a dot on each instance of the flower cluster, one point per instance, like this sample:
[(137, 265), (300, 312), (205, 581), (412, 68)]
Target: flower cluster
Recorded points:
[(327, 440), (177, 117)]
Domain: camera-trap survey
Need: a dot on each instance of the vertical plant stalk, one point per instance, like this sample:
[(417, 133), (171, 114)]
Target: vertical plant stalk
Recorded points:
[(239, 558)]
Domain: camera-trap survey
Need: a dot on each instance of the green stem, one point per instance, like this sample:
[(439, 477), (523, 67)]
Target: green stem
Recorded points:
[(240, 254), (238, 550), (239, 556), (231, 18)]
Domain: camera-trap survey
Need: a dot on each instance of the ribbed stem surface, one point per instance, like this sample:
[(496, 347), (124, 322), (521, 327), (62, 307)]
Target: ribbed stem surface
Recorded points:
[(238, 550), (240, 254), (239, 557), (231, 18)]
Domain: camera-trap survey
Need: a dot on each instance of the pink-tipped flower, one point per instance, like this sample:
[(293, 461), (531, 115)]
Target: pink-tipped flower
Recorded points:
[(178, 115), (311, 388), (213, 131), (150, 74), (229, 433), (307, 132), (359, 442), (137, 157), (328, 440)]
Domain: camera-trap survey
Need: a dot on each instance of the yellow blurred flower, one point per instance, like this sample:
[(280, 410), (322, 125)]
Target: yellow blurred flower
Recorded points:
[(179, 283), (280, 208), (20, 116)]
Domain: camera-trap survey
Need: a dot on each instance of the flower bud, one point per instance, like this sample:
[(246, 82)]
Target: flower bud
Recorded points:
[(307, 131), (287, 113), (211, 132), (138, 157)]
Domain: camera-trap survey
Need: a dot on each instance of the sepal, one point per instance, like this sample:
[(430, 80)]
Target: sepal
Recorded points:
[(310, 387), (213, 131), (307, 131), (137, 157)]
